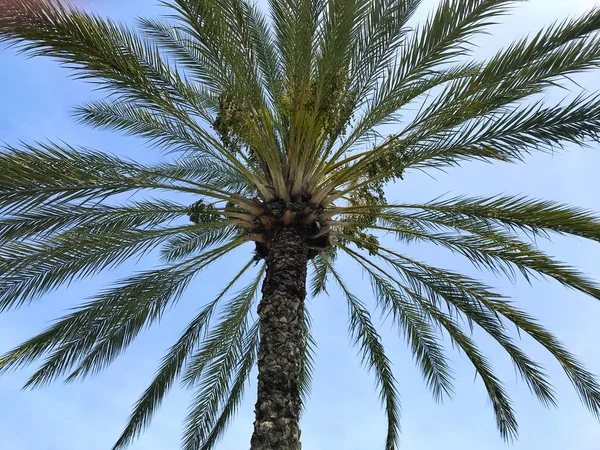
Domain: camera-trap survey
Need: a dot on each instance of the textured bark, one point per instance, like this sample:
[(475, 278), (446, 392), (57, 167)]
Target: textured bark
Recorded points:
[(281, 350)]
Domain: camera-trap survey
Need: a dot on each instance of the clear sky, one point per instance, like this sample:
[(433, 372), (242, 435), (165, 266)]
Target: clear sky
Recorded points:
[(343, 413)]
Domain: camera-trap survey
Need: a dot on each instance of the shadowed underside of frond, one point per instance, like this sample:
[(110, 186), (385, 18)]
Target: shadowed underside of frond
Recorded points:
[(283, 123)]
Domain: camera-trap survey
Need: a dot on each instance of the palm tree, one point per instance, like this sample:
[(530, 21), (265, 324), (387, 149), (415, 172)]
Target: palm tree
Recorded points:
[(282, 134)]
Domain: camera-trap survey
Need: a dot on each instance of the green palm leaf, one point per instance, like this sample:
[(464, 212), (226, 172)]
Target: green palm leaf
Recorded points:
[(171, 366), (372, 352), (211, 368)]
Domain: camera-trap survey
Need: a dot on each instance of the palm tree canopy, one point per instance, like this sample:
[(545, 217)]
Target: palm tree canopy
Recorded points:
[(299, 118)]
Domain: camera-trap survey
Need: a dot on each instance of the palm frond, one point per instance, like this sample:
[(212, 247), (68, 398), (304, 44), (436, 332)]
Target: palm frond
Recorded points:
[(34, 176), (476, 303), (112, 343), (469, 119), (160, 129), (219, 34), (225, 37), (56, 174), (524, 69), (306, 372), (195, 240), (184, 48), (503, 409), (97, 49), (136, 301), (295, 25), (473, 299), (372, 352), (53, 219), (170, 368), (265, 53), (505, 418), (529, 215), (52, 173), (236, 391), (29, 270), (215, 171), (212, 366), (99, 330), (536, 62), (440, 40), (586, 384), (320, 273), (508, 135), (500, 253), (381, 37), (365, 129), (418, 332)]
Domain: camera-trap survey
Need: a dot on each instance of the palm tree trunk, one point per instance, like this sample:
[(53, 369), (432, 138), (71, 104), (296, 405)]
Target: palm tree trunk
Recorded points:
[(280, 355)]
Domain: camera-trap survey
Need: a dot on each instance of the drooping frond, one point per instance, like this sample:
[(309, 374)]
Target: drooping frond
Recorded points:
[(586, 383), (320, 272), (134, 303), (233, 398), (419, 333), (503, 409), (306, 373), (212, 366), (471, 299), (373, 355), (170, 368), (427, 302), (115, 316), (432, 287)]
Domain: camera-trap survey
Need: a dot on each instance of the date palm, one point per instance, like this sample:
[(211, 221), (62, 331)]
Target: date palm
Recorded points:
[(281, 137)]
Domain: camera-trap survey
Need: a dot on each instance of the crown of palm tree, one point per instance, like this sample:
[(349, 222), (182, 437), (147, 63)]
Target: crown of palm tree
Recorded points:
[(280, 123)]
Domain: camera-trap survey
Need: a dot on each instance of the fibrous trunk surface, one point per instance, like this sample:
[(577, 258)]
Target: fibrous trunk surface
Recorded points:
[(281, 350)]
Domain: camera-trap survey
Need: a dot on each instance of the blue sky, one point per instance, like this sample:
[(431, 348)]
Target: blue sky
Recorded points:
[(37, 98)]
